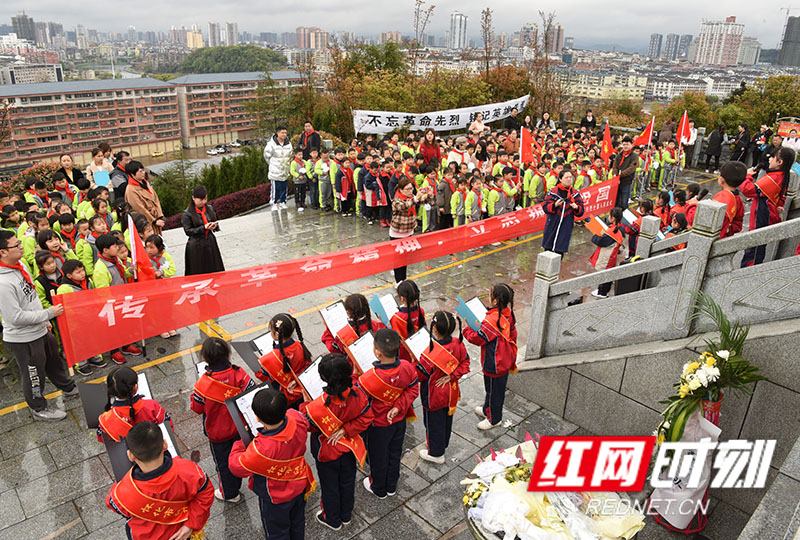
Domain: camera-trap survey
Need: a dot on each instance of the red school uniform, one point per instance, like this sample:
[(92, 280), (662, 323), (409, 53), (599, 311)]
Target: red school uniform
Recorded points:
[(274, 460), (157, 504), (335, 345), (497, 337), (734, 212), (663, 213), (210, 392), (433, 367), (116, 422), (399, 324), (389, 386), (329, 413), (272, 368), (767, 195)]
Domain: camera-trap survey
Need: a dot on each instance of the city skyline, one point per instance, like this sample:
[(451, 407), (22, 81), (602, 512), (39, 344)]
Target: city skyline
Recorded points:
[(601, 26)]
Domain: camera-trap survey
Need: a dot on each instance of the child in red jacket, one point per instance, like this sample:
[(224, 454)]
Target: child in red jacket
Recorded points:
[(731, 176), (360, 320), (287, 358), (440, 367), (163, 498), (607, 251), (125, 408), (392, 384), (220, 382), (279, 474), (497, 337), (411, 317), (338, 418)]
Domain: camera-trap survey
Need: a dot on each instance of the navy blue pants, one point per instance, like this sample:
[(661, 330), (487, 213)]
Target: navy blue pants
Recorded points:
[(228, 483), (438, 426), (495, 397), (384, 450), (280, 191), (337, 479), (313, 193), (284, 521)]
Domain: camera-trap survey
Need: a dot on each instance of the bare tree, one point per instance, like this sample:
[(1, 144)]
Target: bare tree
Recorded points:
[(5, 119), (421, 17), (487, 33), (548, 87)]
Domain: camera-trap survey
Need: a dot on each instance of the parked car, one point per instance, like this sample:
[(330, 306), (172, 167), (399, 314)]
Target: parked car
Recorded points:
[(236, 144), (157, 153), (212, 152)]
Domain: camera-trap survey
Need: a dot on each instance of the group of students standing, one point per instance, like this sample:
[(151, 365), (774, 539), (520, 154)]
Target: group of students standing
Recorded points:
[(359, 419)]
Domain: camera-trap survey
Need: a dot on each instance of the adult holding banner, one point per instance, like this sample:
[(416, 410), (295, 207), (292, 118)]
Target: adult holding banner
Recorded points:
[(199, 222)]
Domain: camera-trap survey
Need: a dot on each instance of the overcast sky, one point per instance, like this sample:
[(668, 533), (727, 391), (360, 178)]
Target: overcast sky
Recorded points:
[(590, 22)]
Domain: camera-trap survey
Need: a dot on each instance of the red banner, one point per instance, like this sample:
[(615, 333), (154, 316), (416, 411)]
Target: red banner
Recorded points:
[(98, 320)]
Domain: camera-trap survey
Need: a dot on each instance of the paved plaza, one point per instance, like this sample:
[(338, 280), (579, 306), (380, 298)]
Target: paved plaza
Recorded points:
[(54, 476)]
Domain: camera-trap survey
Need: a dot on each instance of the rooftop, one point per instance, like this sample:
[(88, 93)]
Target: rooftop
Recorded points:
[(215, 78), (66, 87)]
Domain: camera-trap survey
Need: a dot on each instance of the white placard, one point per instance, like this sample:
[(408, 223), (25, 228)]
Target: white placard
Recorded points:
[(451, 119), (201, 368), (335, 317), (477, 308), (311, 381), (144, 386), (245, 406), (263, 344), (389, 305), (363, 350), (170, 446), (419, 342)]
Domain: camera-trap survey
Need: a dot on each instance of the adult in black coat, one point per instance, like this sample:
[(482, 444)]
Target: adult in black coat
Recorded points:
[(200, 223), (512, 122), (309, 140), (741, 144), (714, 148), (589, 121)]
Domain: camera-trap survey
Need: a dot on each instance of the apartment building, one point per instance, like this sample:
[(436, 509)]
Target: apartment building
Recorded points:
[(48, 119), (603, 84)]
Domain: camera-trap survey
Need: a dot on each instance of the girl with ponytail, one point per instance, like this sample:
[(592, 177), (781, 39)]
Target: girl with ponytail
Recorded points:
[(497, 338), (411, 317), (288, 358), (125, 407), (359, 318), (440, 367)]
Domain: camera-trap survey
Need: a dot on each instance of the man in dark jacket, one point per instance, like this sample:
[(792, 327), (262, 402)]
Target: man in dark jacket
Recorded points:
[(740, 144), (512, 122), (625, 163), (714, 148), (589, 121), (760, 143), (309, 140)]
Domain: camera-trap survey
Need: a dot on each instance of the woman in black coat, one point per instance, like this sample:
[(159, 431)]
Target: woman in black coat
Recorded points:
[(714, 148), (200, 223)]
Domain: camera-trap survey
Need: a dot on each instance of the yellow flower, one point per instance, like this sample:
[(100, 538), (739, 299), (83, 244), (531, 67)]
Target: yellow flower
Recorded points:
[(465, 500), (711, 361), (684, 389), (661, 438), (693, 366)]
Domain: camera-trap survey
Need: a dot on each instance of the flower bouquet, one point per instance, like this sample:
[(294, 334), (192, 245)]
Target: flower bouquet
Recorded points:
[(704, 380)]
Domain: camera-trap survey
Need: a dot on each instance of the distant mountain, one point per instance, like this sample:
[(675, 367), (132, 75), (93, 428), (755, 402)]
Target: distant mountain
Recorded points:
[(617, 47)]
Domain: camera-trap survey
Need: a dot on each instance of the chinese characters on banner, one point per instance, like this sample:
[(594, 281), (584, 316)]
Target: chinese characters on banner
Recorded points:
[(452, 119), (98, 320)]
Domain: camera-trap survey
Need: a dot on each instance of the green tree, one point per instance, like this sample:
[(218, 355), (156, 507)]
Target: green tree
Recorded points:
[(697, 108), (768, 98), (231, 59), (238, 166), (209, 180), (386, 57), (270, 107), (225, 177)]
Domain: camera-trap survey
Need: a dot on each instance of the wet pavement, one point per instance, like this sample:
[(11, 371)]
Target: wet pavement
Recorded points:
[(55, 476)]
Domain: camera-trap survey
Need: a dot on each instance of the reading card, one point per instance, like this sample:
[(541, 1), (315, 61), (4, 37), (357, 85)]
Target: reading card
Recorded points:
[(263, 344), (629, 216), (144, 386), (363, 351), (170, 440), (419, 342), (245, 405), (384, 307), (101, 178), (334, 316), (200, 367), (311, 381), (467, 314), (596, 226)]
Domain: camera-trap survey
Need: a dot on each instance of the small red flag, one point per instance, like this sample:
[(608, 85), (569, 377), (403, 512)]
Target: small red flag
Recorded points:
[(142, 269), (683, 130), (646, 138), (607, 150), (526, 146)]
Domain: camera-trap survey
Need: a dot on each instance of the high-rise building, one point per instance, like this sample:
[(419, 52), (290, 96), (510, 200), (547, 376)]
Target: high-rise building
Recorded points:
[(194, 39), (24, 27), (213, 35), (670, 49), (789, 53), (718, 43), (683, 45), (385, 37), (231, 34), (502, 40), (654, 50), (268, 37), (528, 34), (569, 42), (555, 39), (318, 39), (458, 31), (303, 40), (289, 39), (749, 51), (133, 36)]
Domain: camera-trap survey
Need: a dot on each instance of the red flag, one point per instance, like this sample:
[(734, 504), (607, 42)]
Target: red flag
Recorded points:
[(646, 138), (607, 150), (526, 146), (142, 269), (683, 130)]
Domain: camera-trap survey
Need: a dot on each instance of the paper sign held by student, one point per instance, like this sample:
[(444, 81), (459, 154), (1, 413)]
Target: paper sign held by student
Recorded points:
[(311, 382), (630, 216), (384, 307), (418, 342), (597, 227), (335, 318), (362, 352), (472, 311)]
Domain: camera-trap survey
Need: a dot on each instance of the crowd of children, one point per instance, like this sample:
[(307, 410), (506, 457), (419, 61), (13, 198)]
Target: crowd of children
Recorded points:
[(358, 421)]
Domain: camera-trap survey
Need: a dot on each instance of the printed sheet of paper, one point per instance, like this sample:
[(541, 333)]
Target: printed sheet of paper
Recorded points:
[(263, 344), (629, 216), (335, 316), (245, 405), (384, 307), (170, 443), (363, 350), (311, 381), (201, 368), (419, 342), (144, 386)]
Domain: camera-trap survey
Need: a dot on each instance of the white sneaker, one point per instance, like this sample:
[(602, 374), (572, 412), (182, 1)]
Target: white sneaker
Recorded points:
[(274, 207), (479, 412), (218, 495), (596, 294), (49, 414), (485, 425), (706, 170), (368, 486), (283, 206), (427, 457), (301, 209)]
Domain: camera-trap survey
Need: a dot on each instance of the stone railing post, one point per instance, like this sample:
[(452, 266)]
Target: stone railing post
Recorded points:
[(785, 248), (705, 230), (548, 266), (647, 235)]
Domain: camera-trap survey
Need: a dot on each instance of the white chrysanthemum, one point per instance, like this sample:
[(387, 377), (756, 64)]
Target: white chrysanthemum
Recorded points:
[(724, 354), (701, 376), (694, 384), (712, 373)]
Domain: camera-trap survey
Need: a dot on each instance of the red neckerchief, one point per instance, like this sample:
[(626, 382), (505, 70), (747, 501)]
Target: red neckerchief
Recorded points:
[(451, 184), (202, 213), (67, 192), (155, 259), (18, 267), (479, 193), (463, 194), (412, 211), (306, 136), (44, 198), (116, 263), (57, 255), (71, 238), (299, 162), (348, 173), (58, 277), (84, 285), (624, 155), (96, 235), (673, 152), (135, 182), (598, 171)]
